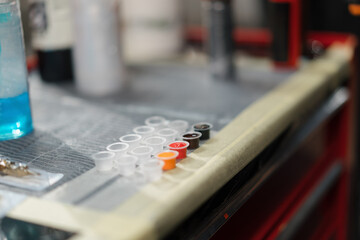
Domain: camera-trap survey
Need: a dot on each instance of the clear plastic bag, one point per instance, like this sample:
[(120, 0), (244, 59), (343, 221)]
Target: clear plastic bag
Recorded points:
[(37, 182)]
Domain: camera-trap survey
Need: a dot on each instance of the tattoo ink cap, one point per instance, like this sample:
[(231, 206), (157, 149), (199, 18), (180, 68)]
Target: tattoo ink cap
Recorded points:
[(180, 125), (152, 170), (168, 133), (144, 131), (180, 147), (126, 165), (204, 128), (169, 159), (119, 148), (132, 139), (104, 160), (193, 138), (142, 153), (156, 122), (156, 142)]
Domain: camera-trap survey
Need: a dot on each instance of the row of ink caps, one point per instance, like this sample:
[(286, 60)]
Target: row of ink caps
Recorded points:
[(156, 146)]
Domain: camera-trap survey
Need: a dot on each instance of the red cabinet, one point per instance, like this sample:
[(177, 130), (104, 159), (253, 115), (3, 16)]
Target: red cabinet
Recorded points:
[(307, 196)]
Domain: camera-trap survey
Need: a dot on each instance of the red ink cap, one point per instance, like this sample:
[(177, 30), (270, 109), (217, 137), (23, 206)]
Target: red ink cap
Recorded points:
[(180, 147)]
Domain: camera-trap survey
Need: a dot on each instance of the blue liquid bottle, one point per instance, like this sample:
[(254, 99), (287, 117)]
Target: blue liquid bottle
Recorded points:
[(15, 113)]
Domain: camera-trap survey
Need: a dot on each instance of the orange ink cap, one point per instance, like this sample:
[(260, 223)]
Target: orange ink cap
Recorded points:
[(354, 9), (169, 159)]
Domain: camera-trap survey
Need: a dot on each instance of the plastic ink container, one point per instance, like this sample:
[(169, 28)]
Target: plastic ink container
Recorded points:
[(169, 159), (168, 133), (119, 148), (156, 122), (180, 147), (204, 128), (144, 131), (180, 125), (104, 160), (126, 165), (152, 170), (193, 138), (132, 139), (143, 153), (156, 142)]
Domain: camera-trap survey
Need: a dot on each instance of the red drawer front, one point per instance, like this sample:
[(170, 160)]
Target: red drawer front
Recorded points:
[(267, 214)]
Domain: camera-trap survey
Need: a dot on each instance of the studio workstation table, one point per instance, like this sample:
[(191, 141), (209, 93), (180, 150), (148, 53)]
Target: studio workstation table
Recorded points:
[(278, 156)]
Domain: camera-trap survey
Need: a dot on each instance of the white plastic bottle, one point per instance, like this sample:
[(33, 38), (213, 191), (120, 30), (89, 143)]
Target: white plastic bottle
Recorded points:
[(152, 29), (97, 56)]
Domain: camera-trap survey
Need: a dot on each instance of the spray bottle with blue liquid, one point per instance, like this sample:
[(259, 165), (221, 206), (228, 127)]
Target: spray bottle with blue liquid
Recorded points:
[(15, 113)]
